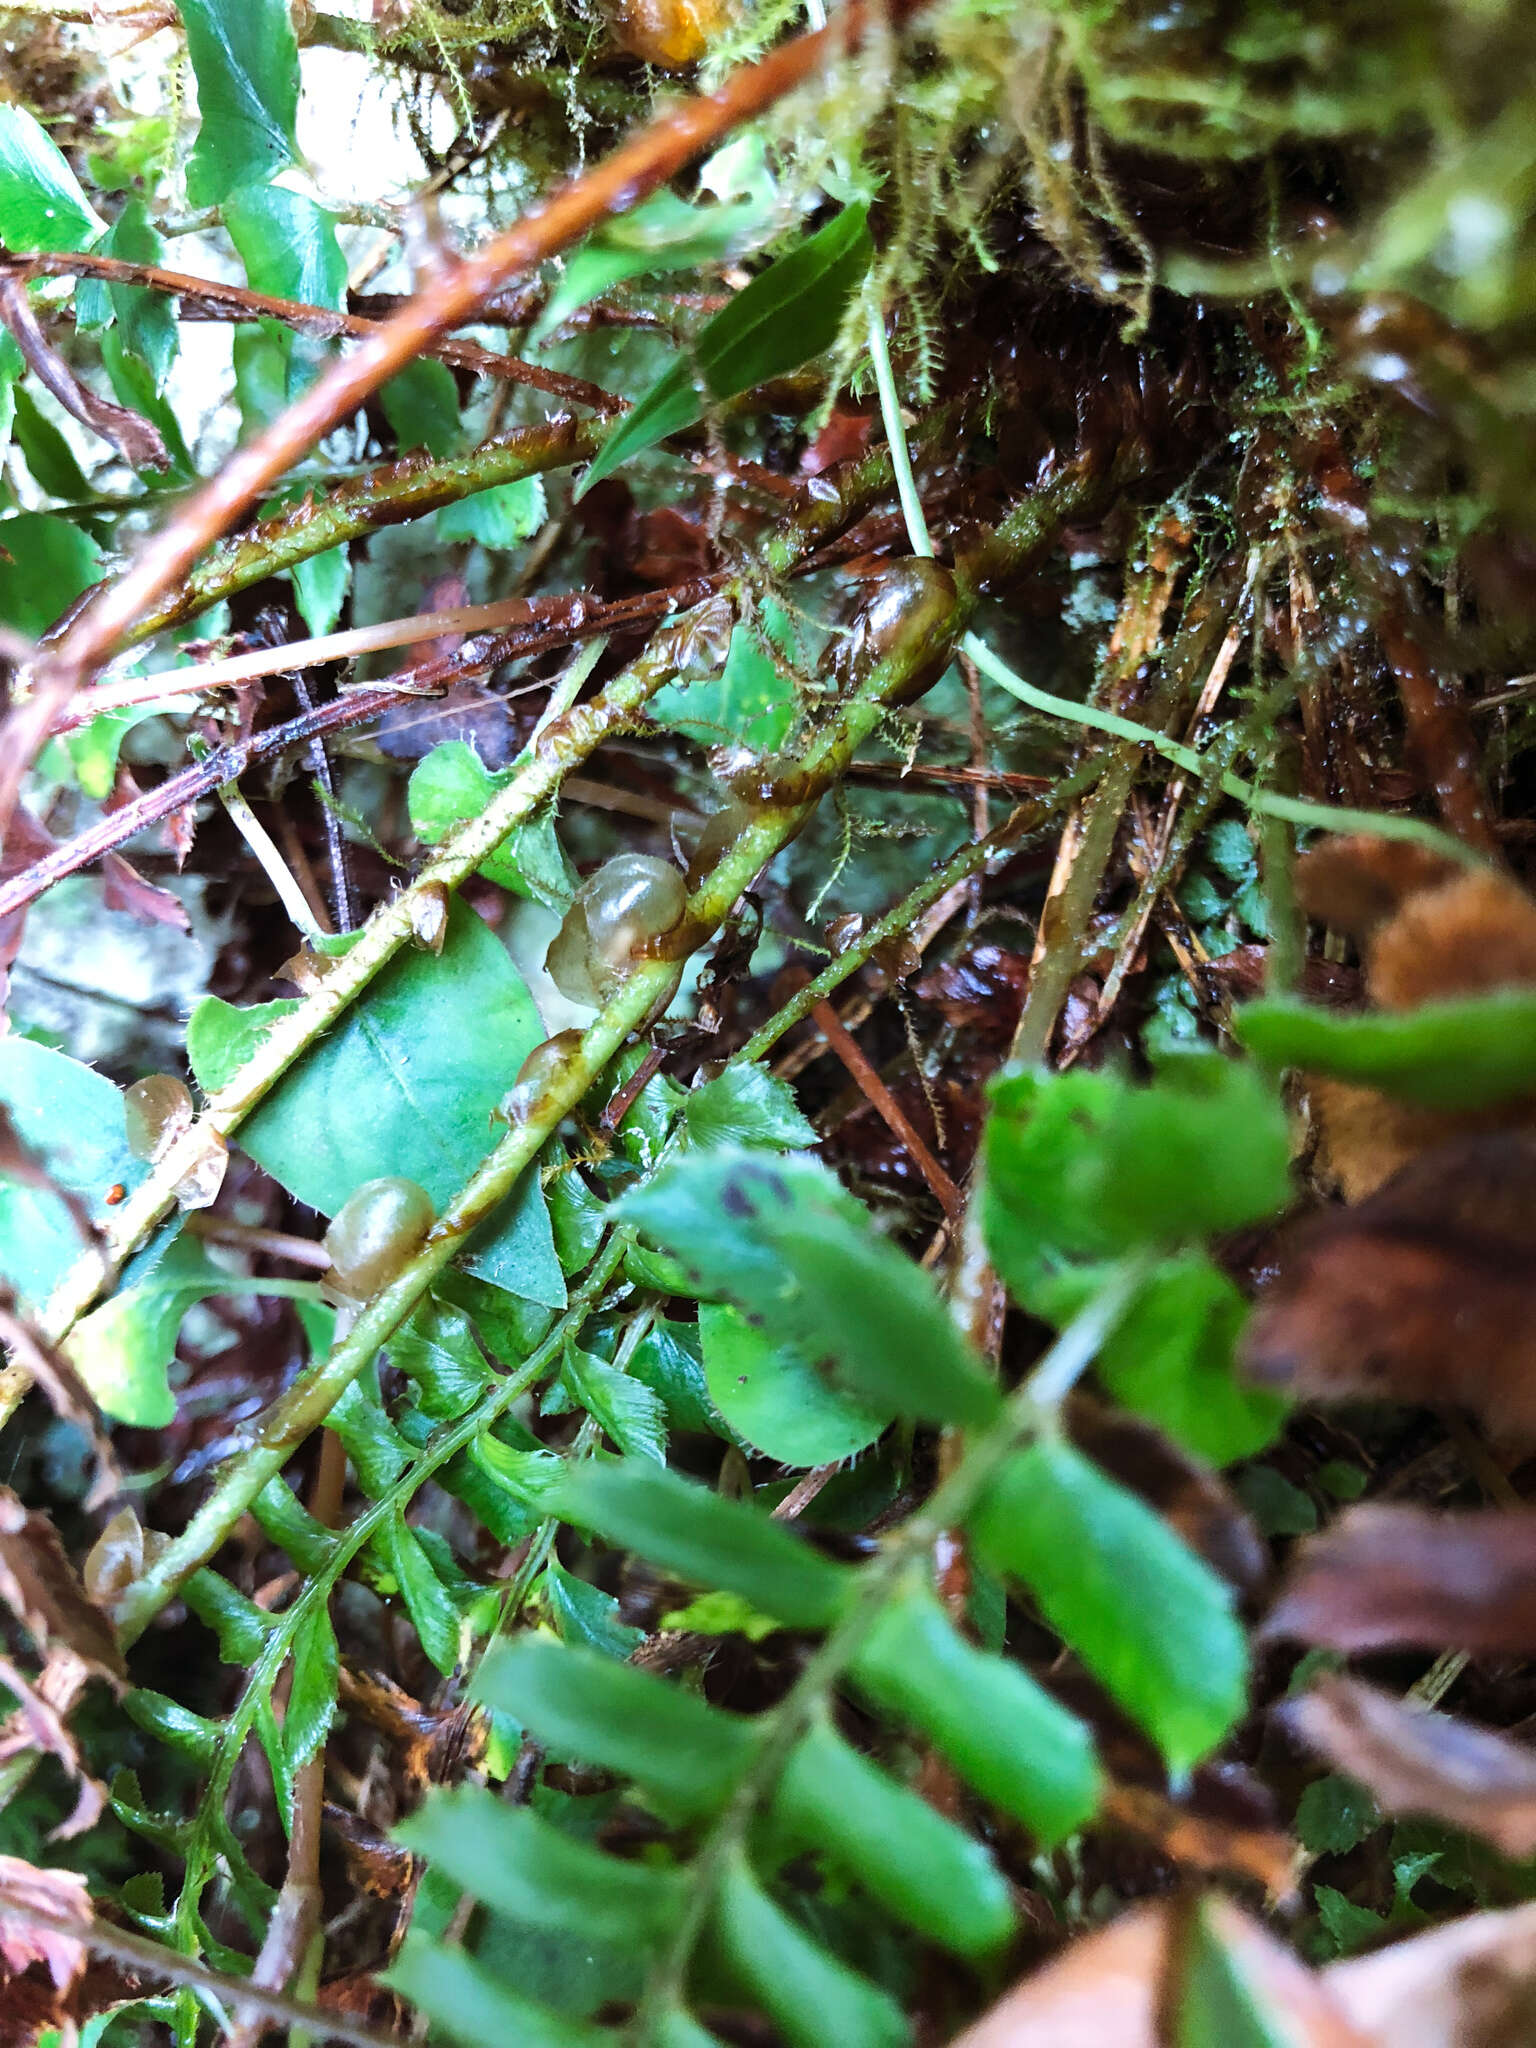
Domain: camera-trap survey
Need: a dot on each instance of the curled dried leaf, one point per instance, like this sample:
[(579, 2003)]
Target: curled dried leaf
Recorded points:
[(61, 1895), (38, 1584)]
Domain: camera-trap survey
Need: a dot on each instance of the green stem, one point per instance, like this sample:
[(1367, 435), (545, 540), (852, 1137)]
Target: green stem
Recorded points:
[(896, 432), (1029, 1411), (1293, 810), (310, 1399)]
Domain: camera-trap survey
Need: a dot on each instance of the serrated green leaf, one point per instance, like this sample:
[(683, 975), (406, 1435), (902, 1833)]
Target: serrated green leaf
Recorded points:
[(746, 1105), (312, 1696), (437, 1351), (1465, 1053), (782, 1240), (786, 315), (919, 1865), (475, 2007), (451, 784), (1150, 1619), (1001, 1731), (41, 203), (814, 1998), (707, 1539), (518, 1864), (501, 517), (586, 1616), (1169, 1358), (1088, 1165), (320, 587), (587, 1707), (45, 563), (241, 1626), (283, 1517), (667, 1361), (426, 1052), (432, 1612), (775, 1400), (378, 1453), (270, 1736), (627, 1410), (245, 57), (170, 1722)]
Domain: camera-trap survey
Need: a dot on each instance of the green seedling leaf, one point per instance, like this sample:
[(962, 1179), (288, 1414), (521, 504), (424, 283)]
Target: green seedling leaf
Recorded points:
[(1150, 1619), (774, 1400), (70, 1118), (921, 1866), (586, 1707), (45, 563), (403, 1084), (518, 1864), (437, 1352), (452, 783), (587, 1616), (472, 2005), (93, 749), (41, 203), (240, 1625), (320, 587), (1003, 1733), (1084, 1166), (1462, 1054), (667, 1361), (421, 404), (708, 1540), (814, 1998), (147, 319), (501, 517), (123, 1349), (245, 58), (788, 314), (746, 1105), (786, 1244), (748, 702)]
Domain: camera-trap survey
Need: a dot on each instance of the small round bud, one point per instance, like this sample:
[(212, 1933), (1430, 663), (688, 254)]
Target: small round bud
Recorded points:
[(912, 613), (376, 1230), (618, 914), (119, 1557)]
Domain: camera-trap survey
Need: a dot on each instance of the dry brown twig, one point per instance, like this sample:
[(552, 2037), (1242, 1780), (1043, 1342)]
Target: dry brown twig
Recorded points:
[(637, 168)]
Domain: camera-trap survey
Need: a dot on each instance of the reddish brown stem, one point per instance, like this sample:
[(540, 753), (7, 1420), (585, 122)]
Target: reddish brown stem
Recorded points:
[(849, 1051), (636, 169), (1440, 736), (207, 298)]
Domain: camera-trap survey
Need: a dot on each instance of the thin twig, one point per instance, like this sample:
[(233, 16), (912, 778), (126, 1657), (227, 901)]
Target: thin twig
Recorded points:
[(851, 1053), (664, 147)]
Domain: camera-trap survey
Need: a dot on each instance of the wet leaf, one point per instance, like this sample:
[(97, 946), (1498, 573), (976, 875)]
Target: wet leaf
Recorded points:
[(45, 563), (246, 61), (41, 203), (786, 315), (775, 1400)]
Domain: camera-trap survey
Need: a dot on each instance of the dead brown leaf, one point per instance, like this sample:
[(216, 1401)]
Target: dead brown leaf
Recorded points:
[(1427, 929), (135, 439), (37, 1725), (1471, 1984), (1384, 1577), (1108, 1989), (67, 1394), (1205, 1842), (61, 1893), (1424, 1292), (39, 1585), (124, 888), (1415, 1762)]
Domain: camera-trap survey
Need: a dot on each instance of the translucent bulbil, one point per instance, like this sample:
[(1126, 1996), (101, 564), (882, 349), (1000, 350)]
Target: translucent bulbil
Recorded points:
[(911, 612), (156, 1111), (542, 1066), (119, 1557), (373, 1234), (618, 913)]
